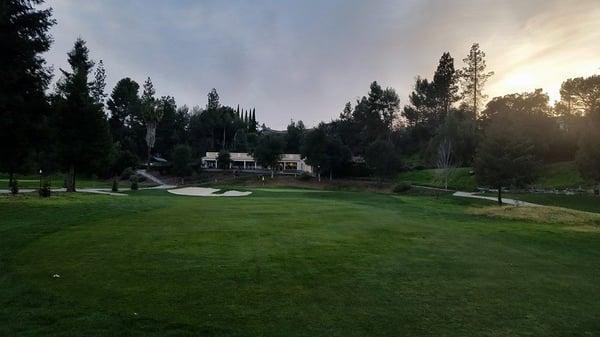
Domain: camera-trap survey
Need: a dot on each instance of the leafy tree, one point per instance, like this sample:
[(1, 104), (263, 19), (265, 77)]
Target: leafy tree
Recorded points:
[(504, 157), (84, 133), (381, 156), (588, 154), (182, 159), (24, 78), (152, 116), (460, 130), (325, 152), (268, 151), (531, 115), (473, 78), (224, 159), (126, 123), (294, 137), (173, 126), (579, 95)]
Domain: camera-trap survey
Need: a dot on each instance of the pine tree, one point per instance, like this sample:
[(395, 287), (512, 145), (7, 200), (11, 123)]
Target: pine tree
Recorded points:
[(99, 85), (83, 129), (473, 78), (445, 88), (213, 100), (24, 79)]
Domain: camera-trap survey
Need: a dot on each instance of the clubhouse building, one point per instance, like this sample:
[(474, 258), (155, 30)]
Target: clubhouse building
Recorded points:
[(290, 163)]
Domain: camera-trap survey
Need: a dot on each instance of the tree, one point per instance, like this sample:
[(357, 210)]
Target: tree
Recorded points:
[(99, 85), (473, 78), (588, 154), (24, 78), (152, 116), (173, 126), (445, 160), (181, 159), (268, 151), (504, 157), (224, 159), (325, 152), (381, 156), (444, 86), (84, 136), (213, 100), (294, 137), (126, 123), (580, 94)]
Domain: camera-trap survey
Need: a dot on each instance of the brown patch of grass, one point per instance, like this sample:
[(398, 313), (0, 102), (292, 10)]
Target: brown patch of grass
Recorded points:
[(583, 221)]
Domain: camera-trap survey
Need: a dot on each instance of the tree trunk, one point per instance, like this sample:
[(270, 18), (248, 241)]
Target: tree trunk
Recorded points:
[(500, 195), (319, 176), (71, 179), (11, 178), (272, 173), (331, 175), (149, 159)]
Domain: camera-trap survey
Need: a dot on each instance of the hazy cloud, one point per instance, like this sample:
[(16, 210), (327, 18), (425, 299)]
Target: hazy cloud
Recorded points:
[(305, 59)]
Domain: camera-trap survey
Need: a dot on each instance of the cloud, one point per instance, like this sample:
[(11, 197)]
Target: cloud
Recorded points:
[(305, 59)]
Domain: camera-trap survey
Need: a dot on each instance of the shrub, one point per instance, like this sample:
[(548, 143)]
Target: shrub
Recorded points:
[(45, 191), (305, 177), (115, 185), (134, 182), (127, 173), (14, 186), (402, 187)]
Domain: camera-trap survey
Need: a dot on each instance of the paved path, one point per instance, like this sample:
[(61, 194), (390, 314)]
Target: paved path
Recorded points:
[(507, 201)]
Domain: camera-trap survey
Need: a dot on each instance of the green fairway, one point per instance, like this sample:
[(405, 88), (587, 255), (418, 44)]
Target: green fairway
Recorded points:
[(290, 263)]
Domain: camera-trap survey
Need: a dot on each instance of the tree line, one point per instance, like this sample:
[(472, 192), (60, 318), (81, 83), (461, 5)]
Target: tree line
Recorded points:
[(79, 128)]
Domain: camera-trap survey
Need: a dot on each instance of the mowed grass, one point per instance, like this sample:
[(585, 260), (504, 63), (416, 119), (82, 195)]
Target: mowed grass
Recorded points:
[(290, 264)]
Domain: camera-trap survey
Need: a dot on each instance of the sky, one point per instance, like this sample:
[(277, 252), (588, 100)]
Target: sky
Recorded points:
[(304, 59)]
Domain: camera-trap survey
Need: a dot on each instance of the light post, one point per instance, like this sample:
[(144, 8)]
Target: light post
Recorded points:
[(41, 179)]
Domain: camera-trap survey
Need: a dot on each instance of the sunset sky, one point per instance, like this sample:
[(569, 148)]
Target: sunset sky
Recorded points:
[(305, 59)]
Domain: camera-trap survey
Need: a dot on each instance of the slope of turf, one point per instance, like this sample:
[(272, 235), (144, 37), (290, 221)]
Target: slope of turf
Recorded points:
[(289, 264)]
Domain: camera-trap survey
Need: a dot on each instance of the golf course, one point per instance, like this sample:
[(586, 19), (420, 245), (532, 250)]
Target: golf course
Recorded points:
[(293, 262)]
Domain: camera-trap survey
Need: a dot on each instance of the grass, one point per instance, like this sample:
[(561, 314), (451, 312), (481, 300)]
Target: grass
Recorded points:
[(290, 263), (57, 181), (581, 202), (552, 176), (460, 179)]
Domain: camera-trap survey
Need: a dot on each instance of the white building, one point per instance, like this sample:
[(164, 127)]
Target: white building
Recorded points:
[(289, 163)]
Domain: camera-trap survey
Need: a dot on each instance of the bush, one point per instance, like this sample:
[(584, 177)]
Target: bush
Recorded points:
[(45, 191), (127, 173), (402, 187), (14, 187), (134, 183), (305, 177), (115, 185)]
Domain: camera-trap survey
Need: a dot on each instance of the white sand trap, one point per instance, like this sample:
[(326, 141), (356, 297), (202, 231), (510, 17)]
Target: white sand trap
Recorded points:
[(207, 192)]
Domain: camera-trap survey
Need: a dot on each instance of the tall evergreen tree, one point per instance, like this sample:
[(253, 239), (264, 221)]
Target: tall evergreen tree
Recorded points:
[(445, 88), (126, 124), (213, 100), (473, 78), (23, 78), (84, 133), (99, 85)]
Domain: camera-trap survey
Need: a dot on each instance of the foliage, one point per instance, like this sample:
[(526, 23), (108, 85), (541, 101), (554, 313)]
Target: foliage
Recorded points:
[(294, 137), (588, 155), (402, 187), (13, 185), (382, 157), (268, 151), (504, 157), (473, 78), (24, 77), (115, 185), (84, 136), (182, 160), (134, 180), (224, 159), (45, 191)]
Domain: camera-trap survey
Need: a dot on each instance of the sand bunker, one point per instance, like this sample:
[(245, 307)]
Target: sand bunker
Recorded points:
[(207, 192)]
